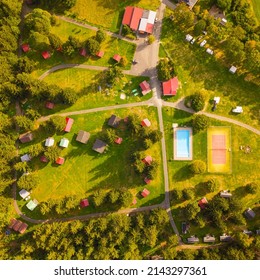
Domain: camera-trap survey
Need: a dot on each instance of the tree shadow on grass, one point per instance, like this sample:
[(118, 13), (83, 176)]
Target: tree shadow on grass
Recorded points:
[(201, 189), (183, 174)]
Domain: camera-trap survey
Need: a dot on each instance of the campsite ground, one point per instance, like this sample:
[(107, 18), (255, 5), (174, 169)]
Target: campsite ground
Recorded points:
[(107, 14), (197, 70), (244, 170), (86, 171)]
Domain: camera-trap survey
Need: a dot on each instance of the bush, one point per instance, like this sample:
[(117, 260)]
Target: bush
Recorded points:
[(199, 27), (198, 167), (100, 36), (92, 46), (212, 185), (198, 101), (28, 182), (123, 61), (151, 39), (188, 193), (252, 187), (52, 153), (200, 123), (58, 123), (177, 194), (69, 96), (165, 69)]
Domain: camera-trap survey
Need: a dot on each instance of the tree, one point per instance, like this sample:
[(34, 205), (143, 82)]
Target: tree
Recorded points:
[(5, 122), (113, 196), (183, 16), (92, 46), (23, 122), (100, 36), (198, 167), (200, 123), (114, 74), (155, 136), (55, 41), (28, 182), (252, 187), (21, 166), (123, 61), (198, 101), (147, 143), (177, 194), (126, 197), (151, 39), (39, 41), (165, 69), (212, 185), (134, 124), (151, 234), (234, 50), (191, 211), (32, 114), (25, 64), (224, 4), (188, 193), (57, 123), (99, 197), (52, 153), (36, 149), (199, 27), (109, 136), (69, 96)]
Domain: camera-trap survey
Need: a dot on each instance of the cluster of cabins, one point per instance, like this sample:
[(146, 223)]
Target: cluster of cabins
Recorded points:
[(18, 226)]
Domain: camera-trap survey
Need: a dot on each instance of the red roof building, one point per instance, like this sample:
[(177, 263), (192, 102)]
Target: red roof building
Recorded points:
[(147, 160), (128, 15), (100, 54), (23, 228), (149, 28), (12, 223), (170, 87), (145, 87), (203, 203), (46, 55), (146, 122), (136, 16), (49, 105), (84, 203), (118, 140), (134, 201), (117, 57), (145, 193), (25, 48), (44, 159), (147, 180), (83, 52), (60, 160), (17, 225), (69, 123)]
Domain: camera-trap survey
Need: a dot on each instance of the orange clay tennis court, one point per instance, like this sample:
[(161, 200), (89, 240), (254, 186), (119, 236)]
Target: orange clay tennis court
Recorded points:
[(219, 149)]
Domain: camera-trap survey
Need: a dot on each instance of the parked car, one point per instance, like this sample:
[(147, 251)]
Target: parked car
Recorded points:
[(203, 43)]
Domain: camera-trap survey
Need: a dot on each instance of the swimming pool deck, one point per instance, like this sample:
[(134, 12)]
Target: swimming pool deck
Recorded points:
[(175, 157)]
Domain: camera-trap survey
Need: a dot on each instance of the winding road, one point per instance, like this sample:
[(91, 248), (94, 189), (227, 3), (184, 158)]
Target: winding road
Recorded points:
[(147, 57)]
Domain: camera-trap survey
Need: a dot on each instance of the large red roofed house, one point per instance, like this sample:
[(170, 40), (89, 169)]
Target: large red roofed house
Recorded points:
[(147, 160), (170, 87), (84, 203), (145, 193), (46, 55), (146, 122), (203, 203), (128, 15), (145, 87), (136, 17), (25, 48), (69, 123)]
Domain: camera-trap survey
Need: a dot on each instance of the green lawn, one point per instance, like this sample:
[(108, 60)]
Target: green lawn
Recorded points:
[(86, 83), (107, 14), (256, 8), (110, 46), (197, 70), (85, 170), (244, 167)]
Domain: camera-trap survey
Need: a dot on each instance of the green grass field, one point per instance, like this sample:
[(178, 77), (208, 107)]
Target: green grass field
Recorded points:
[(197, 70), (86, 83), (85, 171), (244, 167), (107, 14), (256, 8)]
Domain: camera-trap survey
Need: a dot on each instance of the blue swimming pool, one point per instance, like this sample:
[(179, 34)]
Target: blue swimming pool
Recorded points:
[(183, 143)]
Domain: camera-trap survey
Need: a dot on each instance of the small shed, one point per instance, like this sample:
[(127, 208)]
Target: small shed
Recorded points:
[(145, 193), (25, 48), (49, 105), (60, 160), (31, 205), (209, 239), (83, 136), (24, 193), (117, 57), (147, 180), (145, 123), (114, 121), (232, 69), (118, 140), (84, 203), (193, 239), (69, 123), (46, 55), (23, 228), (202, 203), (25, 158), (64, 143), (147, 160), (12, 223), (17, 225), (83, 52), (250, 214), (145, 87), (225, 194), (134, 201), (100, 54), (225, 238), (49, 142), (26, 137), (99, 146), (43, 159)]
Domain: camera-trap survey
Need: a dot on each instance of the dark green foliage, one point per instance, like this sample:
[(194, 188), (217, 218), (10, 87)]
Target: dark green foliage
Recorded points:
[(134, 124), (69, 96), (32, 114), (39, 41), (28, 182), (252, 187), (191, 211), (212, 185), (183, 16), (165, 69), (55, 41), (177, 194), (234, 50), (198, 167), (36, 149), (155, 136), (71, 46), (25, 64), (224, 4), (113, 196), (114, 74), (92, 46), (100, 36), (197, 101), (125, 197), (200, 123), (99, 197), (109, 136), (188, 193), (21, 166), (52, 153), (24, 123), (199, 27), (57, 123)]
